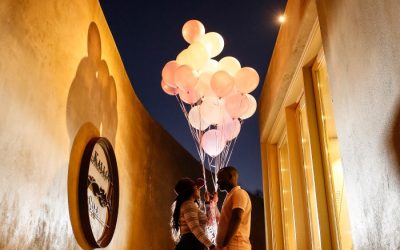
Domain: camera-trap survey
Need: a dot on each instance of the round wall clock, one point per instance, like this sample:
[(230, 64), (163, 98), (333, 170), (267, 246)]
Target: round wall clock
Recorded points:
[(98, 192)]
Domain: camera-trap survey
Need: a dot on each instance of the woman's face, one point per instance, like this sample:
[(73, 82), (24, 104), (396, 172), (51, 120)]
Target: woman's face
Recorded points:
[(196, 193)]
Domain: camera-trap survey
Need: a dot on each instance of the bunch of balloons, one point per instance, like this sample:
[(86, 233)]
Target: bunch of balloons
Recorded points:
[(214, 95)]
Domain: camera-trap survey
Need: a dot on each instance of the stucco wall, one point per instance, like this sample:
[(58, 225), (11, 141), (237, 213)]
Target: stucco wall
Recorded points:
[(61, 76), (361, 40)]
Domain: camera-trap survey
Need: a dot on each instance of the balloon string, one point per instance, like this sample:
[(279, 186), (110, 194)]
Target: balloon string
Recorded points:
[(197, 137), (216, 163), (234, 142)]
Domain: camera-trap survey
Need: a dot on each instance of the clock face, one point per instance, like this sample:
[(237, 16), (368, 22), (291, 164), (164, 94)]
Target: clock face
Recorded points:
[(98, 192)]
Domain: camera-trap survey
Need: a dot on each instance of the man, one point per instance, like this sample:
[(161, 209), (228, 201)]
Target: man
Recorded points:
[(234, 222)]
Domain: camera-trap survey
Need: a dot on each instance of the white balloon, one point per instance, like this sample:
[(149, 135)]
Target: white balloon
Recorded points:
[(213, 142), (211, 66), (197, 56), (196, 120), (252, 107), (230, 65), (212, 110), (183, 58), (213, 42)]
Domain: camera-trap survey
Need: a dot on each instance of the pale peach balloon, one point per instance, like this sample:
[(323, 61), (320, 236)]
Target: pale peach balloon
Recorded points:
[(168, 89), (183, 57), (192, 31), (204, 85), (213, 42), (236, 104), (212, 110), (211, 66), (222, 83), (246, 80), (196, 120), (230, 128), (168, 73), (252, 107), (230, 65), (185, 78), (197, 56), (189, 96), (213, 142)]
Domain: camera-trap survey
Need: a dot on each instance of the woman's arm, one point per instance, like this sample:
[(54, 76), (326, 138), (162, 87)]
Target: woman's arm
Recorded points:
[(191, 214)]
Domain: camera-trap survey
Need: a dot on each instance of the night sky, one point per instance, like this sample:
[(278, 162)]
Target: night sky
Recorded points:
[(148, 35)]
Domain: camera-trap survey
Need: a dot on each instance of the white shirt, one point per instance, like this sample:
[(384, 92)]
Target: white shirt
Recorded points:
[(236, 198)]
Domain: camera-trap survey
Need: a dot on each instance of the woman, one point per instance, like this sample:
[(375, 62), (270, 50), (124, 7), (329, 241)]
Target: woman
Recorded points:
[(188, 221)]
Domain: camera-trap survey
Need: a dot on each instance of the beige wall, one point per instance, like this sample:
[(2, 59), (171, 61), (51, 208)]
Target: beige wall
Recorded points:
[(50, 104), (361, 42), (361, 39)]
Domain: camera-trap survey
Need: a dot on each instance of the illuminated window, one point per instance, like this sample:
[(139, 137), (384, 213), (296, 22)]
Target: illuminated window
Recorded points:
[(286, 195), (331, 157), (308, 174), (306, 198)]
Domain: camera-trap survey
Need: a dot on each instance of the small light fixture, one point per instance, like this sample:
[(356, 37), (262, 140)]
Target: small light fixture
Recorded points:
[(282, 18)]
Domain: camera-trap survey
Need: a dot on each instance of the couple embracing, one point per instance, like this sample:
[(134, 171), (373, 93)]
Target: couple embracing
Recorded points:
[(189, 221)]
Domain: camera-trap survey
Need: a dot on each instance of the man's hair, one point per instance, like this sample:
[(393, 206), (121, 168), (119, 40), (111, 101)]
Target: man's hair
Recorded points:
[(231, 170)]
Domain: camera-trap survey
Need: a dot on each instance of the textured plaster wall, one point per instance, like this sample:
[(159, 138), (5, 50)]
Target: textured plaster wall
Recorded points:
[(361, 39), (61, 81)]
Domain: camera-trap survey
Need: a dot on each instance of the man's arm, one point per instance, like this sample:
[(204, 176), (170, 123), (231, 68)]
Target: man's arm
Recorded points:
[(233, 225)]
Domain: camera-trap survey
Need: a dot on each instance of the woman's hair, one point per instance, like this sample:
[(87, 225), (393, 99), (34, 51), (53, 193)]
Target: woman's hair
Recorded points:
[(184, 190)]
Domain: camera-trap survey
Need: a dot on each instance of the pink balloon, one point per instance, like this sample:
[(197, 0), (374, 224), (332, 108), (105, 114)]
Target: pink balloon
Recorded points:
[(230, 128), (192, 31), (204, 85), (168, 89), (190, 96), (236, 104), (168, 73), (246, 80), (222, 83), (213, 142), (184, 77)]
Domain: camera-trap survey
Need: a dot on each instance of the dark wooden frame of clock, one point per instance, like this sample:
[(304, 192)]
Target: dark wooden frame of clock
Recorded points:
[(112, 194)]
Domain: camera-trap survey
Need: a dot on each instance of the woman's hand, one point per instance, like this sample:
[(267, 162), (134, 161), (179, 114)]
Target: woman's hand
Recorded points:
[(207, 197), (215, 197)]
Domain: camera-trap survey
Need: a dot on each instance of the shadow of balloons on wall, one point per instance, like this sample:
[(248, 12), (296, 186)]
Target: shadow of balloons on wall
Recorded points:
[(92, 96), (395, 137)]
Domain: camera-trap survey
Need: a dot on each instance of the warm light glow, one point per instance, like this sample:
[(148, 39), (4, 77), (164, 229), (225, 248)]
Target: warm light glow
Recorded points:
[(282, 18), (101, 129)]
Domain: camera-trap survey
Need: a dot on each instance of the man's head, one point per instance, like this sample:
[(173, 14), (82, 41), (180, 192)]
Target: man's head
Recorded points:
[(227, 178)]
